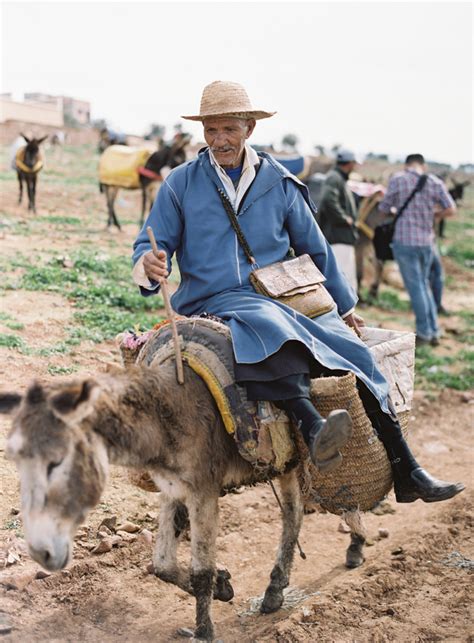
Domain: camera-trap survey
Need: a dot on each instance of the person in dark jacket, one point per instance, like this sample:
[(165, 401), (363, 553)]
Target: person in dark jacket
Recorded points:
[(337, 213)]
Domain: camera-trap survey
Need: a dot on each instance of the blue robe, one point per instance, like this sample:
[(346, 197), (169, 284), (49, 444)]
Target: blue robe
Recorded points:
[(188, 219)]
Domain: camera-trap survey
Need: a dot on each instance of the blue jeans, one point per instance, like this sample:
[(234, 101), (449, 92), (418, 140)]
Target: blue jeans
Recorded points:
[(415, 264), (436, 278)]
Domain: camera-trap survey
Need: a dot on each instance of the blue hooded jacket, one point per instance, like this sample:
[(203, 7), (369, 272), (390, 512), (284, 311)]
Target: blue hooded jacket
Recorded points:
[(188, 219)]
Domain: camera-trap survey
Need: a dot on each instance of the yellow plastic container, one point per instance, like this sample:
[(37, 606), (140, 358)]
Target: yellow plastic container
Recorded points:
[(118, 165)]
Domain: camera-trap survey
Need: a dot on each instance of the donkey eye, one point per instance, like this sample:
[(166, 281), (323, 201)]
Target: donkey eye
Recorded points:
[(51, 466)]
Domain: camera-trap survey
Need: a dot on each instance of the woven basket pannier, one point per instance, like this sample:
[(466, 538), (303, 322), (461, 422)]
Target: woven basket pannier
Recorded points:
[(364, 476)]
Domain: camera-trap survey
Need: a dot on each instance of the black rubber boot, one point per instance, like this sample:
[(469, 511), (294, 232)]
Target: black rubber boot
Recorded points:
[(325, 445), (324, 438), (419, 485), (410, 481)]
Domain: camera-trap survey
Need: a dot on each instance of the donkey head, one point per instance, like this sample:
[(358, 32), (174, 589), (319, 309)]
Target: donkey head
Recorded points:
[(32, 149), (61, 462)]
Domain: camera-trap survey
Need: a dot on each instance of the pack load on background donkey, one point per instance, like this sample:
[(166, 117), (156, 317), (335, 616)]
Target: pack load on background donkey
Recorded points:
[(133, 168)]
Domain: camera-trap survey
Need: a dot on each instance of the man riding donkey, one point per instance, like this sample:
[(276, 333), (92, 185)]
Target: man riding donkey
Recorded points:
[(276, 349)]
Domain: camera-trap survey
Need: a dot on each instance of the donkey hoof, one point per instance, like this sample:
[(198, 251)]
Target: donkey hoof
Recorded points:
[(223, 590), (309, 508), (272, 601), (354, 557), (203, 633), (185, 633)]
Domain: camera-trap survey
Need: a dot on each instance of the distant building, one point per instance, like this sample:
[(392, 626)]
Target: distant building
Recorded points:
[(38, 97), (35, 112), (78, 111), (39, 114), (75, 111)]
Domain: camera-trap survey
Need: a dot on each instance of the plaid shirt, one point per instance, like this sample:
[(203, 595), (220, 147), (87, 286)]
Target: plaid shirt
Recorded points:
[(415, 225)]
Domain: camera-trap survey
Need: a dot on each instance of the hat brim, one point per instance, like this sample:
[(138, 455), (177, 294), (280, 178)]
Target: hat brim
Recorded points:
[(256, 114)]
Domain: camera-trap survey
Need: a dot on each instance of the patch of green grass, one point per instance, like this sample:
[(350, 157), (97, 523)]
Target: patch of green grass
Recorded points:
[(61, 370), (466, 336), (390, 300), (462, 252), (57, 349), (467, 315), (101, 288), (7, 320), (15, 525), (105, 322), (456, 372), (467, 356), (60, 220), (459, 240), (13, 325), (11, 341)]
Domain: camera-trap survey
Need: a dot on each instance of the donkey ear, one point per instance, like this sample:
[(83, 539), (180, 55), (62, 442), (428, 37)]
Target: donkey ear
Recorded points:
[(25, 137), (40, 140), (9, 401), (75, 401)]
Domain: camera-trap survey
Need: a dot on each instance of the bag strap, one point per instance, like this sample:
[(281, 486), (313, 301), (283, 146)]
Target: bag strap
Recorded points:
[(235, 224), (420, 184)]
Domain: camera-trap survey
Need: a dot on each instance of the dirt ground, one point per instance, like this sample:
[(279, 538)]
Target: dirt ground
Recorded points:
[(414, 586)]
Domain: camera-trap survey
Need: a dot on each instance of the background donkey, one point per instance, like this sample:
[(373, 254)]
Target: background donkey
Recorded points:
[(28, 163), (65, 434), (168, 156)]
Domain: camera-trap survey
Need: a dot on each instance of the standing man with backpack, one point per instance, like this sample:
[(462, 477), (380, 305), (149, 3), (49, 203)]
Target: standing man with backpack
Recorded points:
[(420, 195)]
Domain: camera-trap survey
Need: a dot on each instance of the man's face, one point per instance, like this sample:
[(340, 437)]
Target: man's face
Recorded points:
[(226, 137)]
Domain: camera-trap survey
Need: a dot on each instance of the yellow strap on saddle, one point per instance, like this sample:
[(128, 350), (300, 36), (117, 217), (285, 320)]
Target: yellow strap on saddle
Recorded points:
[(19, 161), (215, 389)]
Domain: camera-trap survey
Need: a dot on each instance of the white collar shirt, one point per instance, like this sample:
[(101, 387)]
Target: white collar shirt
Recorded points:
[(246, 178)]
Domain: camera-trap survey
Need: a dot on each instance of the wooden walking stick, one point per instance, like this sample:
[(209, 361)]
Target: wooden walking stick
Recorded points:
[(169, 312)]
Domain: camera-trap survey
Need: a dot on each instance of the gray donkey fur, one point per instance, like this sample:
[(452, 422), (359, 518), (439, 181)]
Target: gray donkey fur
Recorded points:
[(64, 435)]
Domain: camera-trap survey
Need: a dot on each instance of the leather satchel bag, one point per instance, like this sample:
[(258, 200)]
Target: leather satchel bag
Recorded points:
[(297, 283), (383, 234)]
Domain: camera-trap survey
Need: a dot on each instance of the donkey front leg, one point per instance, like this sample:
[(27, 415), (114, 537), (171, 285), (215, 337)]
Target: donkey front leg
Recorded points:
[(111, 194), (174, 520), (30, 186), (165, 564), (34, 180), (292, 518), (203, 515), (20, 181)]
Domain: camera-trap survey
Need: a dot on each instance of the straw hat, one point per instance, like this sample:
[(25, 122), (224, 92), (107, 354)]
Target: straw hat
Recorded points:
[(225, 98)]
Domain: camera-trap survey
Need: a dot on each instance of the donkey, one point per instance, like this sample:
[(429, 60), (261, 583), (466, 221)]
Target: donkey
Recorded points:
[(108, 137), (457, 194), (170, 156), (65, 434), (28, 163), (369, 218)]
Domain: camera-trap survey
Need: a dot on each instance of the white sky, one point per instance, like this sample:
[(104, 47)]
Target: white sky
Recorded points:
[(384, 77)]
